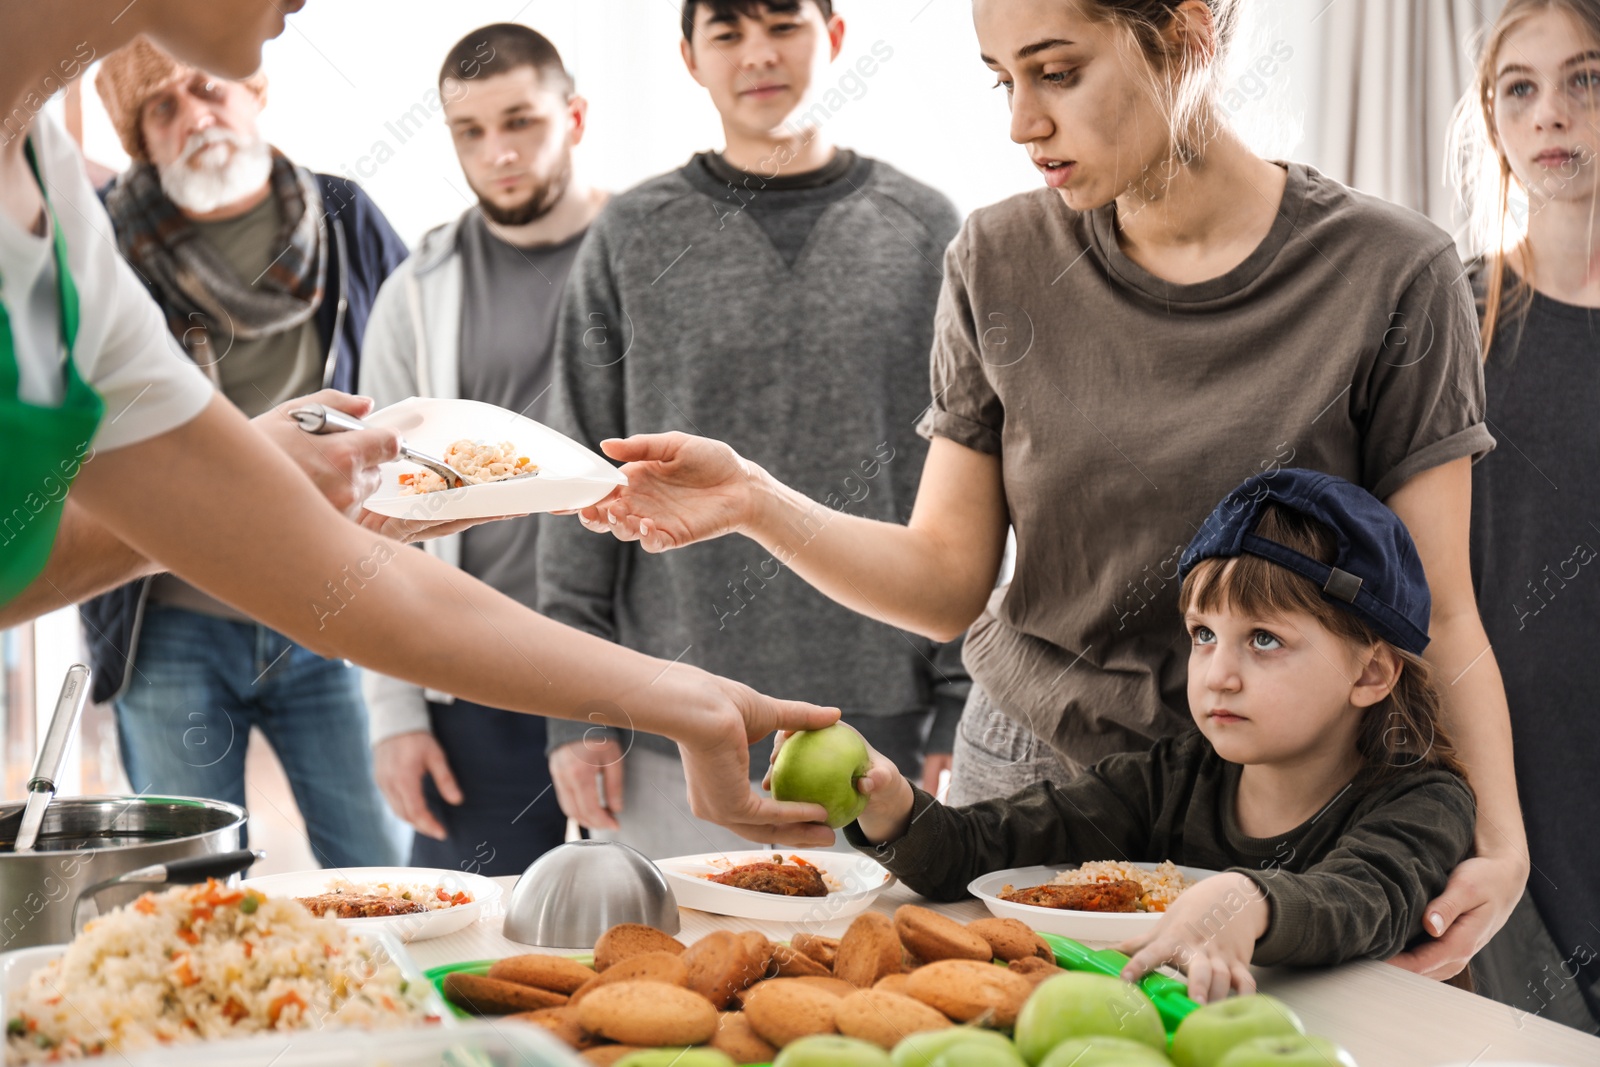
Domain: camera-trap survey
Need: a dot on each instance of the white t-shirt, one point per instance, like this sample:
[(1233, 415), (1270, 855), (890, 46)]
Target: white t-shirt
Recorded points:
[(123, 350)]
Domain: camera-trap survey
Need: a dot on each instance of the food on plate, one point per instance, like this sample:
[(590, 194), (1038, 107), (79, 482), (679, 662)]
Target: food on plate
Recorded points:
[(1106, 886), (200, 962), (795, 879), (930, 936), (884, 1018), (969, 991), (1117, 895), (1204, 1037), (476, 463), (631, 939), (648, 1014), (831, 1050), (1085, 1005), (821, 767), (344, 899)]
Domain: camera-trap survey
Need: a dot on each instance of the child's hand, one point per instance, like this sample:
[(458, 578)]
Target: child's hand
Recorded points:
[(1209, 933), (889, 795)]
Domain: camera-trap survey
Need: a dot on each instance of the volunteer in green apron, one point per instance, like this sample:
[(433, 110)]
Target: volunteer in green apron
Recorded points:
[(43, 447)]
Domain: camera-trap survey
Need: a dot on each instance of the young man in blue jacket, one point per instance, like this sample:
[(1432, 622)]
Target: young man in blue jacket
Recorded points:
[(266, 273)]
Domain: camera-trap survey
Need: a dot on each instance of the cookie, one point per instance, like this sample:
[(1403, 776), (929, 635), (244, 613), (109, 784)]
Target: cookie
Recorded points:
[(492, 996), (892, 983), (1034, 969), (792, 963), (761, 951), (822, 949), (645, 967), (632, 939), (884, 1018), (837, 986), (868, 951), (650, 1014), (969, 991), (606, 1055), (782, 1010), (1009, 939), (932, 937), (555, 973), (736, 1037), (562, 1023), (721, 964)]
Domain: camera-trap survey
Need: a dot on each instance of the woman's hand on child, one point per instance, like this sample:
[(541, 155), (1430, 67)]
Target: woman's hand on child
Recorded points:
[(1209, 933), (1476, 903)]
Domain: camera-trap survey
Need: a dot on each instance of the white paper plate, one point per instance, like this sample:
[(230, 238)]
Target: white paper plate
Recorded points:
[(861, 878), (570, 476), (485, 897), (260, 1050), (1078, 925)]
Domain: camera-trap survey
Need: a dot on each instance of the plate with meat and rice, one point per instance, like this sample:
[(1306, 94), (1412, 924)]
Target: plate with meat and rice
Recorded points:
[(1106, 900), (411, 903), (805, 886)]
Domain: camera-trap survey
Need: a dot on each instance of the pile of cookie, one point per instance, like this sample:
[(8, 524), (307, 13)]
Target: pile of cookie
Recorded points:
[(749, 997)]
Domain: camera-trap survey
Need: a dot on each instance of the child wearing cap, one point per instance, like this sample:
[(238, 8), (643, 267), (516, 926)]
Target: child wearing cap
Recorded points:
[(1320, 781)]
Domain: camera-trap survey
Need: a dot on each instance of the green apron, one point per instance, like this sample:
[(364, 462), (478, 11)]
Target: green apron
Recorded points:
[(41, 448)]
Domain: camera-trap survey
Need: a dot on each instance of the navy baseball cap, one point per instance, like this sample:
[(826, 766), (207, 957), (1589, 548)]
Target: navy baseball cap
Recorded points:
[(1376, 573)]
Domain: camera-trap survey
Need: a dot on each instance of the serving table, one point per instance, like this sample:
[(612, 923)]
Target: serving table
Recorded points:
[(1385, 1016)]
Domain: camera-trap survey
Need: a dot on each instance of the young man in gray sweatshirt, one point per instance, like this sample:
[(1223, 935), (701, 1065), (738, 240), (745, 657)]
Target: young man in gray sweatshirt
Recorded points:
[(778, 295)]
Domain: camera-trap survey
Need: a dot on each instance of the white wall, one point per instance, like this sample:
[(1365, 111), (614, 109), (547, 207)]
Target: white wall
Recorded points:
[(345, 73)]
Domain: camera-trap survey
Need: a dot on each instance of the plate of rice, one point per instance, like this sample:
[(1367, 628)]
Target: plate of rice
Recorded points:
[(518, 466), (408, 903), (1147, 887), (203, 963)]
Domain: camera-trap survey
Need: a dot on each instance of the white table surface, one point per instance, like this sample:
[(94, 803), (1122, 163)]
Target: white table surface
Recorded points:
[(1386, 1017)]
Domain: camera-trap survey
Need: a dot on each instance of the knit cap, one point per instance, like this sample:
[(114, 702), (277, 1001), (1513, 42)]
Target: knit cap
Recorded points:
[(133, 74)]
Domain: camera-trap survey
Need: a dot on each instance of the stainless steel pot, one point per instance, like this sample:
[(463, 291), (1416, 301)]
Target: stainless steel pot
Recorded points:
[(88, 840)]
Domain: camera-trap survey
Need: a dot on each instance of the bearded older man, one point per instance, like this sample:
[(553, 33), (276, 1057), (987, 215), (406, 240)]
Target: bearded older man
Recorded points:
[(266, 273)]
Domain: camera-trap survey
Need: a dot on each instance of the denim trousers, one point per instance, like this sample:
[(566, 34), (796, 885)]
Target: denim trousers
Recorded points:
[(201, 682)]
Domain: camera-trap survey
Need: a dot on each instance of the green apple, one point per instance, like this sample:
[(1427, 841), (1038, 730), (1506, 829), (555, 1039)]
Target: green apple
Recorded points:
[(1206, 1035), (821, 767), (921, 1049), (676, 1057), (831, 1050), (1287, 1050), (978, 1054), (1083, 1005), (1103, 1051)]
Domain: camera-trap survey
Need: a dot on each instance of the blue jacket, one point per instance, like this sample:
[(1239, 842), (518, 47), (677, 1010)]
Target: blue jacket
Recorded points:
[(365, 249)]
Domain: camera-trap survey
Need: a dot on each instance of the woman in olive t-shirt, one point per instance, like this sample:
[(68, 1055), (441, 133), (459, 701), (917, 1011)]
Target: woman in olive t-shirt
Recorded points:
[(1112, 354)]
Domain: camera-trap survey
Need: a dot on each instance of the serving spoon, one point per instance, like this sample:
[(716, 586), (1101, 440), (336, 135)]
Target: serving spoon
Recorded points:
[(316, 418)]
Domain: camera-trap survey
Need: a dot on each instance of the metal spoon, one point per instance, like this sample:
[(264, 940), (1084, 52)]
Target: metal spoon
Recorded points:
[(63, 726), (315, 418)]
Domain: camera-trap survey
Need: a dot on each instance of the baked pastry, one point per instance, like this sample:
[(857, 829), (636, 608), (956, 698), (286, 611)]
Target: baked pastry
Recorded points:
[(792, 963), (869, 950), (782, 1010), (1034, 969), (606, 1055), (645, 967), (555, 973), (1011, 939), (562, 1023), (736, 1037), (493, 996), (632, 939), (721, 964), (892, 983), (884, 1018), (969, 991), (822, 949), (931, 936), (649, 1014)]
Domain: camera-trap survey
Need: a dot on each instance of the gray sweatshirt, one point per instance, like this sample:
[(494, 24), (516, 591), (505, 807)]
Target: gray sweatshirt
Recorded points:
[(681, 314)]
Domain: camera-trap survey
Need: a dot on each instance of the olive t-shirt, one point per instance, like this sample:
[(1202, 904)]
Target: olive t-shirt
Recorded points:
[(1124, 407)]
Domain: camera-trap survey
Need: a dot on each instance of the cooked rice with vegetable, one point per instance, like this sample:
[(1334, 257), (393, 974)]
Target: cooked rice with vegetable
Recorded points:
[(202, 962), (475, 463), (1161, 886)]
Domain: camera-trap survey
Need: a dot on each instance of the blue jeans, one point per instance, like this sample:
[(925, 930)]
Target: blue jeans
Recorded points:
[(201, 682)]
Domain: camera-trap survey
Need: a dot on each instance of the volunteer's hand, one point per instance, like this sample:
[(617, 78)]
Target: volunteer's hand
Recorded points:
[(584, 769), (889, 797), (722, 720), (1475, 903), (1215, 956), (343, 466), (681, 489), (399, 762), (934, 764)]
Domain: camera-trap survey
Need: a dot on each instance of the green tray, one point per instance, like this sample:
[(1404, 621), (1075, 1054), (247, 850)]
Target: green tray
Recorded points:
[(1167, 993)]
